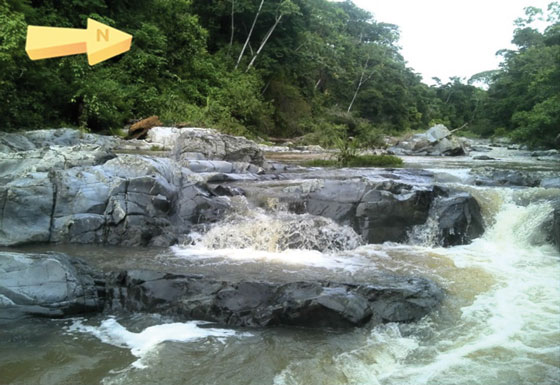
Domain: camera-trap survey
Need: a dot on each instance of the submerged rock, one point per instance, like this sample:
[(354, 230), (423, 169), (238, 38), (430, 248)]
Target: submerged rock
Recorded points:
[(308, 304), (50, 285), (493, 177)]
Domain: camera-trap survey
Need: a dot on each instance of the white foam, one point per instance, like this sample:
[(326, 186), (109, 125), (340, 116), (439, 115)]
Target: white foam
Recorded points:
[(293, 257), (141, 344)]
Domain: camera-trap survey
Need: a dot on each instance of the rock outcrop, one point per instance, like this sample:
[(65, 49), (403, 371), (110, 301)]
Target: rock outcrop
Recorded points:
[(307, 304), (437, 141), (55, 285), (197, 143), (50, 285), (65, 186), (383, 209), (458, 219)]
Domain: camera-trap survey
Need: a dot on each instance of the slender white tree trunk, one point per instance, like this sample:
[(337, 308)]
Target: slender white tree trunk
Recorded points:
[(232, 25), (263, 43), (360, 83), (249, 36)]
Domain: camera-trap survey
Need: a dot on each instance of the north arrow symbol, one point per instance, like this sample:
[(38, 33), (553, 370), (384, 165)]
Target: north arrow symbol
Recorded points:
[(99, 41)]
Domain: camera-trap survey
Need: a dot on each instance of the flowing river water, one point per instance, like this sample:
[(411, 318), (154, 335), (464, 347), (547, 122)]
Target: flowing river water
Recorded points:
[(499, 323)]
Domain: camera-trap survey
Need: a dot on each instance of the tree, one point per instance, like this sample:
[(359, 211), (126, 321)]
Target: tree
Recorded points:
[(257, 14), (286, 7)]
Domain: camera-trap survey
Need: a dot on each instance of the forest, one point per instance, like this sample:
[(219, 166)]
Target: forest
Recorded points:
[(313, 69)]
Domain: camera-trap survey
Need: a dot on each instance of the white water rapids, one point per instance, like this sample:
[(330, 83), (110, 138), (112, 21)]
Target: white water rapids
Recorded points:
[(499, 325)]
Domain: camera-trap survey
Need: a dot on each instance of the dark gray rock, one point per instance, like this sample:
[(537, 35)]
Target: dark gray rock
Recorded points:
[(556, 228), (458, 220), (50, 285), (385, 216), (506, 178), (380, 210), (483, 157), (307, 304), (26, 209)]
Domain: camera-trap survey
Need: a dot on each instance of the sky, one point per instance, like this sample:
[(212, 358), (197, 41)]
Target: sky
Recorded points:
[(444, 38)]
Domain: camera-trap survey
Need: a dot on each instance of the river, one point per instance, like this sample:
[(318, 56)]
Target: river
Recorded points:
[(499, 323)]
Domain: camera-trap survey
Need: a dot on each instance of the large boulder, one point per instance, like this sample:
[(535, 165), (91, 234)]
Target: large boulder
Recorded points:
[(55, 285), (190, 143), (437, 133), (50, 285), (458, 220), (437, 141), (27, 209), (308, 304)]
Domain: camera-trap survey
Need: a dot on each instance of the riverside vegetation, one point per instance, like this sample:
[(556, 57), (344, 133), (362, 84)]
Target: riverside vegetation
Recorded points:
[(284, 68)]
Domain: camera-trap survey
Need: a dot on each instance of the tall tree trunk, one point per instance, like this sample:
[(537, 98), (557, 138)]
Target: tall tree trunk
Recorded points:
[(249, 36), (318, 83), (232, 26), (263, 43), (360, 83)]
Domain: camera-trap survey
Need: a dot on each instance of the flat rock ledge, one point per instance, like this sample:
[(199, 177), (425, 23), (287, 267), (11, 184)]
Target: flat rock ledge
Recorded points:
[(56, 285)]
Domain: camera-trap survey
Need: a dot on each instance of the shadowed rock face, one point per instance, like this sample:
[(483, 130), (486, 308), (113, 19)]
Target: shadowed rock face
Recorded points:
[(56, 285), (309, 304)]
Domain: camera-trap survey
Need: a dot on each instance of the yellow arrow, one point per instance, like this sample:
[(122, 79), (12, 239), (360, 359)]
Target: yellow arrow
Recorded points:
[(99, 41)]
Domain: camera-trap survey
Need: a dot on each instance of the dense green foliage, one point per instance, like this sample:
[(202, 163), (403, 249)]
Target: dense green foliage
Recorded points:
[(288, 68), (524, 96)]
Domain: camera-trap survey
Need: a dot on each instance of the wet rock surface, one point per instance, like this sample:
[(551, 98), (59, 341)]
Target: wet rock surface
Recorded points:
[(383, 207), (258, 304), (55, 285), (50, 285)]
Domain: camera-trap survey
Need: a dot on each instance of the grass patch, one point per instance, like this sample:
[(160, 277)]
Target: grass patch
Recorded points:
[(155, 147), (358, 161)]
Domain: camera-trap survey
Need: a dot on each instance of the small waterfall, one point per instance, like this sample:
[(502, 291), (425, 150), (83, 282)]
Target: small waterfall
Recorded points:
[(277, 230)]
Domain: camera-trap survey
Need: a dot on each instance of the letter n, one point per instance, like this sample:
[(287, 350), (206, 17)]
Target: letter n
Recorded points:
[(105, 35)]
